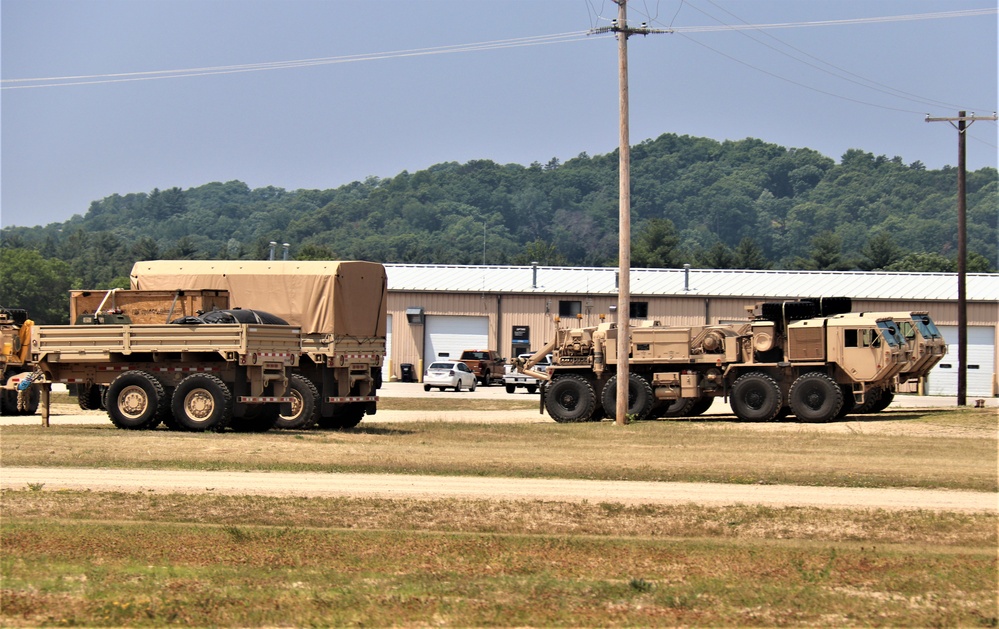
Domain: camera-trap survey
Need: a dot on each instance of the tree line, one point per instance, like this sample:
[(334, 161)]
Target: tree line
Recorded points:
[(734, 204)]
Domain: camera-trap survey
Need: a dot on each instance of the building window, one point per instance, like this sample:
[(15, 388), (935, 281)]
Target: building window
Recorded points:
[(570, 308), (639, 310)]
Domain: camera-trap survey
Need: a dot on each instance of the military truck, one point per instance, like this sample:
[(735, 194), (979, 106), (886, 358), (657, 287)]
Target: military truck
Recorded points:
[(804, 358), (926, 347), (15, 363), (188, 376), (340, 306)]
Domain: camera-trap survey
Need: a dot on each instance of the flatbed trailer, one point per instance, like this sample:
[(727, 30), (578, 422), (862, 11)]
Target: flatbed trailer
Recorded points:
[(190, 377)]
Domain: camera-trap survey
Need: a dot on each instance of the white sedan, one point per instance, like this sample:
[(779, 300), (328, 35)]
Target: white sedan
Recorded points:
[(445, 375)]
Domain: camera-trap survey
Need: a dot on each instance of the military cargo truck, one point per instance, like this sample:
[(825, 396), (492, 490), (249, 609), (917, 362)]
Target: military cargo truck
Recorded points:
[(787, 359), (340, 306), (190, 377)]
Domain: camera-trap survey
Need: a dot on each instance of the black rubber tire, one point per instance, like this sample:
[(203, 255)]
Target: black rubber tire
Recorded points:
[(256, 418), (679, 407), (701, 406), (487, 380), (570, 398), (849, 405), (640, 396), (815, 397), (887, 395), (344, 416), (457, 385), (532, 389), (755, 397), (202, 403), (511, 388), (136, 401), (89, 397), (305, 408)]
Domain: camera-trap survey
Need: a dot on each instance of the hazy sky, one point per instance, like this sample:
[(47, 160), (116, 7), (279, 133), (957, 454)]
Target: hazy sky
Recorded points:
[(405, 84)]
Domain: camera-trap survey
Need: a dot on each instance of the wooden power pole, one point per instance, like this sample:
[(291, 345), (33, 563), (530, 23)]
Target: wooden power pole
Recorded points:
[(963, 121), (620, 27)]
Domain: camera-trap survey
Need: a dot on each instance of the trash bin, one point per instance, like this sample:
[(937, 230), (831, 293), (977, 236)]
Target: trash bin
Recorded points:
[(408, 375)]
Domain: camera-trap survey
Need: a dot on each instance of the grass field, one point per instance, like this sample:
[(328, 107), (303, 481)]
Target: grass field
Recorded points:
[(73, 558)]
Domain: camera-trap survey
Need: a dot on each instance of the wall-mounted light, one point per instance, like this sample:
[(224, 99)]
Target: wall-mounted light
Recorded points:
[(415, 315)]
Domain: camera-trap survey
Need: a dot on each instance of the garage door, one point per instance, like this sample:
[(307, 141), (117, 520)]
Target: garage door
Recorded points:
[(981, 363), (388, 349), (449, 335)]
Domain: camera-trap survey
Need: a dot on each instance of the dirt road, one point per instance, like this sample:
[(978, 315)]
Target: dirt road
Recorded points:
[(459, 487)]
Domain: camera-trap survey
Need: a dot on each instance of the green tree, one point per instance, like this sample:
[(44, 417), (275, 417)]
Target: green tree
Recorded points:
[(544, 253), (880, 252), (826, 255), (749, 255), (39, 285), (658, 246)]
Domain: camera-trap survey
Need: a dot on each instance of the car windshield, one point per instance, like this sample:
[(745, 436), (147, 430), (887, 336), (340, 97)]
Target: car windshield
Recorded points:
[(475, 356), (440, 366)]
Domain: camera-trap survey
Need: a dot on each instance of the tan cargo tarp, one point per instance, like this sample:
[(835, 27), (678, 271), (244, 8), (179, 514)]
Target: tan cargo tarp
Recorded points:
[(340, 298)]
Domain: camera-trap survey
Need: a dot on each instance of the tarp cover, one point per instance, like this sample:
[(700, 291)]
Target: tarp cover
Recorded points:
[(340, 298)]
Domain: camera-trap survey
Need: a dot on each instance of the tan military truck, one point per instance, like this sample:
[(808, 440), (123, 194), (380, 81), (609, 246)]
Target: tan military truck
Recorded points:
[(786, 360), (189, 376), (340, 306), (15, 363), (926, 347)]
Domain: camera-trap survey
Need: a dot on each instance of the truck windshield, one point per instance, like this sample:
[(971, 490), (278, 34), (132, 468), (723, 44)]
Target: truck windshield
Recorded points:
[(926, 326), (890, 333)]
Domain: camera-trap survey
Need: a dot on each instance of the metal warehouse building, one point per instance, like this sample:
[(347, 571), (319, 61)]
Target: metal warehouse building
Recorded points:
[(437, 310)]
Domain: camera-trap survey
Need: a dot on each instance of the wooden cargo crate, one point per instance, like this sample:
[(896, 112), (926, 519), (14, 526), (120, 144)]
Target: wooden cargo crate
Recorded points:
[(147, 306)]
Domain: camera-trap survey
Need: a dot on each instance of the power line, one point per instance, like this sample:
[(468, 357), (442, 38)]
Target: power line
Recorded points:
[(561, 38)]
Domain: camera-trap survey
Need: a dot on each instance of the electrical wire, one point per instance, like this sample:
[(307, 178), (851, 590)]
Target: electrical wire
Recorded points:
[(97, 79), (841, 73)]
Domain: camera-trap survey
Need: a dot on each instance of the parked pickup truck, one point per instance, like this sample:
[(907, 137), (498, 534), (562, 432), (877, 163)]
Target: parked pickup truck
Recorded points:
[(514, 379), (485, 364)]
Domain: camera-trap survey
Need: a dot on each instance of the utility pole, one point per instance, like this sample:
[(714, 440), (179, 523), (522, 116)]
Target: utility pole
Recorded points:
[(963, 122), (620, 26)]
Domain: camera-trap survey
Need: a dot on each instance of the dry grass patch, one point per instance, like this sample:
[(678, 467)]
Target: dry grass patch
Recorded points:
[(152, 574), (911, 455)]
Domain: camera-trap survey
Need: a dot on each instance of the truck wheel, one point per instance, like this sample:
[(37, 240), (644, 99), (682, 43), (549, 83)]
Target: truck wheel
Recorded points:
[(304, 408), (531, 389), (679, 407), (640, 396), (344, 416), (756, 397), (256, 418), (511, 388), (136, 401), (849, 405), (887, 395), (570, 398), (89, 397), (202, 403), (815, 397), (487, 380), (701, 405)]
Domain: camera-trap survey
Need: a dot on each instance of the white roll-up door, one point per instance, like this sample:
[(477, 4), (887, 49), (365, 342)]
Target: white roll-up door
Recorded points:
[(981, 363), (451, 335), (386, 375)]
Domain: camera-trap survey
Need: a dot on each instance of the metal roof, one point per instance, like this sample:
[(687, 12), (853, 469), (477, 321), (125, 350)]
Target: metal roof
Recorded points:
[(547, 280)]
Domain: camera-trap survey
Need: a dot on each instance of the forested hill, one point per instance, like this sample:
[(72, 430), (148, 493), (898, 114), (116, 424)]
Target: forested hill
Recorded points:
[(734, 204)]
